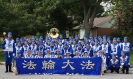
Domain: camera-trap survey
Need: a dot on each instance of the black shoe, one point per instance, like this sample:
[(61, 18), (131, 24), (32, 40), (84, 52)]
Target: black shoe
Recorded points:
[(117, 70), (127, 72), (10, 71), (111, 71), (105, 71)]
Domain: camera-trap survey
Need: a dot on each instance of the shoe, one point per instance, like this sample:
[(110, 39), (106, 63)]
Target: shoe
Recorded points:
[(127, 72), (111, 71), (105, 71), (117, 70)]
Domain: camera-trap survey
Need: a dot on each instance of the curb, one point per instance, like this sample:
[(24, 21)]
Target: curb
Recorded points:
[(2, 63)]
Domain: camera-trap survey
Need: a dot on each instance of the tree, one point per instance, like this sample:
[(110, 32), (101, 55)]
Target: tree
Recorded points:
[(24, 17), (123, 17), (90, 6)]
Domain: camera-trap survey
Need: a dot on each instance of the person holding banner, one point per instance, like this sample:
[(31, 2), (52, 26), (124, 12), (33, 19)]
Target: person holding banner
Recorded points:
[(77, 55), (29, 54), (39, 54), (104, 65), (48, 54), (18, 55), (8, 48)]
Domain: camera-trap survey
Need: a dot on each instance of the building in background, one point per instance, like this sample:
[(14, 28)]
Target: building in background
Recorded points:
[(102, 25)]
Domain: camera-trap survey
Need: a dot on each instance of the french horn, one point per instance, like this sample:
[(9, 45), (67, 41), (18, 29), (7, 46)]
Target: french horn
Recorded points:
[(54, 32)]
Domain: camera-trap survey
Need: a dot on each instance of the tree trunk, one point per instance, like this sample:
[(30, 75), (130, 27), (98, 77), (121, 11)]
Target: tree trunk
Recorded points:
[(88, 17), (87, 28)]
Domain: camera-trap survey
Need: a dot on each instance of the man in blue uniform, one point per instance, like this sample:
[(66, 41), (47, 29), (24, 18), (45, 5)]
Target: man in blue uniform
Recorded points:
[(124, 61), (8, 48), (126, 46), (114, 64)]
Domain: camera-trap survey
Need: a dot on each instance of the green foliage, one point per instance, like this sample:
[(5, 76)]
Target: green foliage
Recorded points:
[(123, 17), (28, 17)]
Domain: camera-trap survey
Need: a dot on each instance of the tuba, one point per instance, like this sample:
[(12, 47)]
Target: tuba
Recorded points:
[(54, 32)]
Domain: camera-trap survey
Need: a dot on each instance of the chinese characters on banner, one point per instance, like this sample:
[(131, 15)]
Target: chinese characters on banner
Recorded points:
[(87, 66)]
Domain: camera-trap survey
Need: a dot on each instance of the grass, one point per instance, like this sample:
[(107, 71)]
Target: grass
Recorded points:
[(131, 58), (2, 57)]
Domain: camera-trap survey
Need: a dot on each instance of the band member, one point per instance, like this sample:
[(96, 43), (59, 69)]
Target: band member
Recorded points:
[(106, 49), (29, 54), (124, 62), (41, 48), (104, 65), (85, 55), (61, 38), (68, 55), (58, 55), (65, 49), (8, 48), (60, 46), (17, 40), (19, 48), (95, 54), (29, 41), (126, 47), (48, 54), (52, 49), (114, 64), (16, 70), (97, 47), (33, 47), (79, 49), (115, 48), (25, 48), (119, 42), (77, 38), (77, 55), (74, 45), (89, 50), (92, 43), (39, 55)]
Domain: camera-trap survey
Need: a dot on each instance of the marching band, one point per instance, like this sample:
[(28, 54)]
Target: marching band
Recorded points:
[(114, 53)]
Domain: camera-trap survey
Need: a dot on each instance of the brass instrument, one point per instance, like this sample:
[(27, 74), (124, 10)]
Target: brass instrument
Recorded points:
[(54, 32)]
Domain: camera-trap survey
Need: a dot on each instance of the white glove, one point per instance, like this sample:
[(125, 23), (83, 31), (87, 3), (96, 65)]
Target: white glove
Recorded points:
[(13, 54), (6, 47)]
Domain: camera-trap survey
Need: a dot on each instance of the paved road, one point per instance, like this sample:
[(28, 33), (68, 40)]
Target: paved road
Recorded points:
[(106, 76)]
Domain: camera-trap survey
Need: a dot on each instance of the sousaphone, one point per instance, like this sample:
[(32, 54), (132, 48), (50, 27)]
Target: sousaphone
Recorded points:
[(54, 32)]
